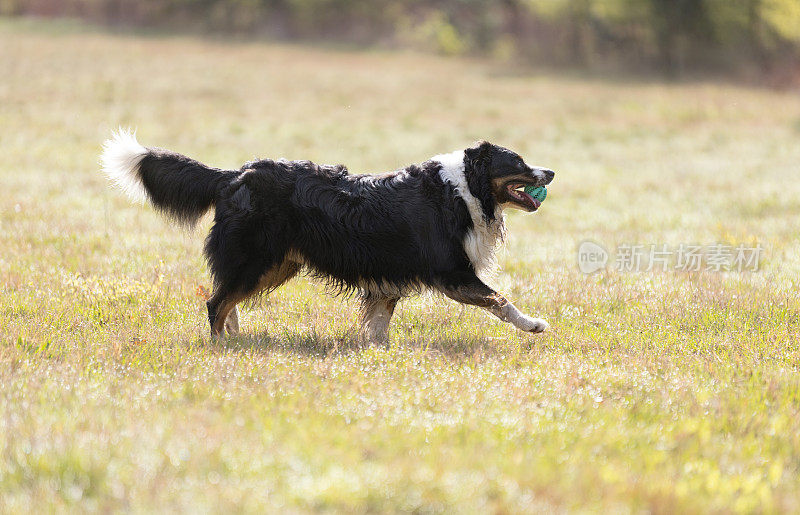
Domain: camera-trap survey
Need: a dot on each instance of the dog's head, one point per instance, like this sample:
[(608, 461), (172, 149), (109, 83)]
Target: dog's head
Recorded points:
[(496, 176)]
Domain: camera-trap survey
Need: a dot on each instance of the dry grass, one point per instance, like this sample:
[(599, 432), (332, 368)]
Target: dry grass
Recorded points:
[(654, 391)]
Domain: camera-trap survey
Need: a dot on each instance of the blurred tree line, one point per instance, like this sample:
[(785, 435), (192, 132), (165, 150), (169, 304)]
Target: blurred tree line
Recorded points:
[(670, 35)]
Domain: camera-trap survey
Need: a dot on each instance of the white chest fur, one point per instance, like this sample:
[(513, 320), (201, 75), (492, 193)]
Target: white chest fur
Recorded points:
[(480, 243)]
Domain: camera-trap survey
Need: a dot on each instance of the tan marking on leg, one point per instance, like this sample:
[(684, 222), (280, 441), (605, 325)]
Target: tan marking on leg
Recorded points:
[(223, 310), (276, 276)]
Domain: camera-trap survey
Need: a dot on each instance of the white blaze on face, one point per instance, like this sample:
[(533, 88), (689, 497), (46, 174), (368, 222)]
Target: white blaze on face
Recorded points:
[(480, 243)]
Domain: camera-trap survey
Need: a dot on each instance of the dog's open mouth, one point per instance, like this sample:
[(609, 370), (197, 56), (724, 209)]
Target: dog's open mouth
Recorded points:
[(515, 191)]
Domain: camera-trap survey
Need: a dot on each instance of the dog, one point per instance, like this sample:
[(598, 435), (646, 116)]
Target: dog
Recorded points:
[(430, 226)]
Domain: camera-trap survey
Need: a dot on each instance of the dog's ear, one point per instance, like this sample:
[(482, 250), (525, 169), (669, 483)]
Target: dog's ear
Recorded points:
[(480, 153), (479, 176)]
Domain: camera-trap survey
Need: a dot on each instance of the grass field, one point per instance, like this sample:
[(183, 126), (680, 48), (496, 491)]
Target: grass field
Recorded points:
[(660, 391)]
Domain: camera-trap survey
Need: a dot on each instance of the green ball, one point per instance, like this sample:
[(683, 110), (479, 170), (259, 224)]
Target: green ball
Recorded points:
[(539, 193)]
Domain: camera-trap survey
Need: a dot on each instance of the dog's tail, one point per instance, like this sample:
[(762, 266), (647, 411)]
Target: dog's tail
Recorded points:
[(181, 188)]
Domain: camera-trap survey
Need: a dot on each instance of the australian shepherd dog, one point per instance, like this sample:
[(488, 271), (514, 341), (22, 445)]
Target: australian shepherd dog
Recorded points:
[(432, 226)]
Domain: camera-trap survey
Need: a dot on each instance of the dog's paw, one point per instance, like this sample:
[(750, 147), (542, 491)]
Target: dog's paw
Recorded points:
[(533, 325)]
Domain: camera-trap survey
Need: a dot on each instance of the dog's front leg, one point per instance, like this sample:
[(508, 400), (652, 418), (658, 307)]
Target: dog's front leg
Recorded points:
[(467, 288), (376, 312), (508, 312)]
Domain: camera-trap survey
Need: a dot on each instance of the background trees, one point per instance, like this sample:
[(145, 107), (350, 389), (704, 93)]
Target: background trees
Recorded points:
[(669, 35)]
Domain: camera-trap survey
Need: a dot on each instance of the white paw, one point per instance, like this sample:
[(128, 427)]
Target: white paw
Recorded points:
[(533, 325)]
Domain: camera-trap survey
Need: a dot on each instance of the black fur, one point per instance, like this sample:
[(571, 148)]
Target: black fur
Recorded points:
[(181, 188), (479, 162), (399, 231)]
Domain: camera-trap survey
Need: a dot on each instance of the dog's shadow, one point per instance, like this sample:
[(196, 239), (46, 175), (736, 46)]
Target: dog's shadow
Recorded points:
[(313, 344), (302, 343)]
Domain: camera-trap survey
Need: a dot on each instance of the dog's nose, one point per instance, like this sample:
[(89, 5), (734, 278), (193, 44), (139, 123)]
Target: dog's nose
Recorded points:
[(546, 174)]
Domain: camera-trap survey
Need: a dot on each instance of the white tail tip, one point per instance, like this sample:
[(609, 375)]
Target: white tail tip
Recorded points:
[(120, 159)]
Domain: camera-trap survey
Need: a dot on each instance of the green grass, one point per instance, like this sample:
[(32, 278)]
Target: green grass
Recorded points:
[(653, 391)]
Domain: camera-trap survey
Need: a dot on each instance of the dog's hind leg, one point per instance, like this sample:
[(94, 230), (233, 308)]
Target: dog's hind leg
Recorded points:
[(220, 305), (276, 276), (222, 312), (232, 322), (376, 312), (467, 288)]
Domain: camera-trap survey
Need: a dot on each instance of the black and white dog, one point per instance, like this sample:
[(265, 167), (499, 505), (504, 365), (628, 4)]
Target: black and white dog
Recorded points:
[(430, 226)]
